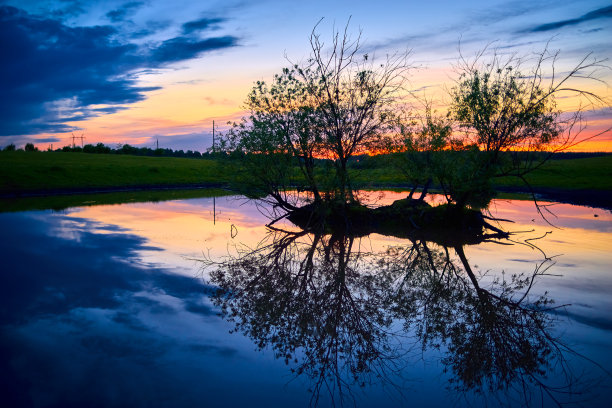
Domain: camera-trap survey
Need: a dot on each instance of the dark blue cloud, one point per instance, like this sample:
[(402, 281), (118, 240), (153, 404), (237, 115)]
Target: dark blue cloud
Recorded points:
[(59, 9), (604, 12), (125, 10), (151, 27), (183, 48), (47, 140), (201, 24), (52, 73)]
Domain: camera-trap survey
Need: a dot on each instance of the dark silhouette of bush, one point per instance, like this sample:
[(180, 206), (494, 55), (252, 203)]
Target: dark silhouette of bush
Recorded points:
[(99, 148)]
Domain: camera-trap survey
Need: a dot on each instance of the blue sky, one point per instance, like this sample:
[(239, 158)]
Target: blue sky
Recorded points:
[(139, 71)]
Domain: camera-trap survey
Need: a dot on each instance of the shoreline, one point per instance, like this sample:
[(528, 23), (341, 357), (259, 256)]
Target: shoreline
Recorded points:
[(111, 189), (586, 197)]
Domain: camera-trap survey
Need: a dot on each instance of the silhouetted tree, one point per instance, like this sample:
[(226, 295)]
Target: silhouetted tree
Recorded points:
[(422, 147), (507, 107), (335, 105)]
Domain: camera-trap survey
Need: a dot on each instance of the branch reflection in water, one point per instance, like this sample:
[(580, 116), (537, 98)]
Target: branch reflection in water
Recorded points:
[(347, 318)]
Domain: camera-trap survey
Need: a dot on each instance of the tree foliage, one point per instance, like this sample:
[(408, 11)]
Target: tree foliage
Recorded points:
[(333, 106), (506, 112), (422, 145), (503, 120)]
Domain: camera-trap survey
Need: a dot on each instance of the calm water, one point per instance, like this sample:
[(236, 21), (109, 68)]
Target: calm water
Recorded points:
[(167, 304)]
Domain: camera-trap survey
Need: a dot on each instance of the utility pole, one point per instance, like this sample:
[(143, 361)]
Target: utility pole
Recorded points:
[(157, 144), (214, 198), (82, 140), (73, 137)]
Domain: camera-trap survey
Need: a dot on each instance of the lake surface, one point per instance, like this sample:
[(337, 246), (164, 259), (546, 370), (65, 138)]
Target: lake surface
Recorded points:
[(196, 303)]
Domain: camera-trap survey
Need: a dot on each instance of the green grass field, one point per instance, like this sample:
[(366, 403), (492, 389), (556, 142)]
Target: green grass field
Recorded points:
[(26, 172), (49, 172), (594, 173)]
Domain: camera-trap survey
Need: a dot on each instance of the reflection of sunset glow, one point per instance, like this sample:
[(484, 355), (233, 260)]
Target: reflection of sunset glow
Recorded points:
[(181, 232), (578, 242), (186, 229)]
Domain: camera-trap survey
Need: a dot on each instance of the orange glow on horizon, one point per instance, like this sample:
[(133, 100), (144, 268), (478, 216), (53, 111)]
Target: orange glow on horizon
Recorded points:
[(184, 108)]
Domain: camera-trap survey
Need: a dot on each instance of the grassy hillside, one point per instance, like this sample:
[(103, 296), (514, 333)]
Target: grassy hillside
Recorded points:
[(48, 171)]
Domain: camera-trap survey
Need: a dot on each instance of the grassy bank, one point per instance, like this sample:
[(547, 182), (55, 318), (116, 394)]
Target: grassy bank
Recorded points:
[(52, 172), (575, 174), (63, 201), (46, 172), (594, 173)]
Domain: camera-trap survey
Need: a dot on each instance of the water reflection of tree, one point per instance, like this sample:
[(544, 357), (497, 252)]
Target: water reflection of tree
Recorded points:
[(346, 318), (303, 296), (498, 339)]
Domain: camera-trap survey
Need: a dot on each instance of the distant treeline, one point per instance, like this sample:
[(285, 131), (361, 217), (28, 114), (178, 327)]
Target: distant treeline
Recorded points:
[(382, 160), (101, 148), (357, 162)]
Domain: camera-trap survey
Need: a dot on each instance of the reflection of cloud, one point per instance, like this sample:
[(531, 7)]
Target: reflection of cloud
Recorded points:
[(599, 322), (113, 347), (61, 284), (153, 306), (82, 319), (199, 308), (129, 320), (211, 349), (604, 12)]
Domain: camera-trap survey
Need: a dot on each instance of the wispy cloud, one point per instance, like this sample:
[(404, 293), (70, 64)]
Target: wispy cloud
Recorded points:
[(604, 12), (183, 48), (201, 24)]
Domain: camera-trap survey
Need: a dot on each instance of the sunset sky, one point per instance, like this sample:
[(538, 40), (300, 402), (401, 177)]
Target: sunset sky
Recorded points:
[(144, 71)]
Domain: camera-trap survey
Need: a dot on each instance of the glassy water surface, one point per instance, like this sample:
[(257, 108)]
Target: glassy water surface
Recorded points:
[(197, 303)]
